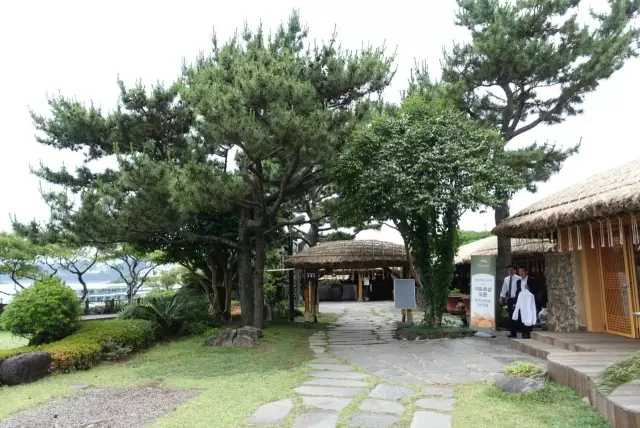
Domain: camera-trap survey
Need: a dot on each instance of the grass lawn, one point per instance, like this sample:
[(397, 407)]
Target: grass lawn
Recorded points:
[(231, 382), (484, 405), (9, 341)]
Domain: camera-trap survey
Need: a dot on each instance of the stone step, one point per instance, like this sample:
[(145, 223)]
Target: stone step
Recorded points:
[(534, 347), (326, 374)]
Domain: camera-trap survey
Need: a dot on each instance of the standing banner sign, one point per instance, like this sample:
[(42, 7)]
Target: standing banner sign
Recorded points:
[(483, 296)]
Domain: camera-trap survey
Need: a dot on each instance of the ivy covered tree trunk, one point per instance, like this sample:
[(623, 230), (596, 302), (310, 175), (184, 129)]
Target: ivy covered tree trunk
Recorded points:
[(446, 247), (258, 278), (245, 281), (503, 258)]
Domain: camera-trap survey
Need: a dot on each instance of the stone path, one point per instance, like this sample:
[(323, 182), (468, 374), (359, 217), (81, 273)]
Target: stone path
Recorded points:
[(362, 377), (339, 392)]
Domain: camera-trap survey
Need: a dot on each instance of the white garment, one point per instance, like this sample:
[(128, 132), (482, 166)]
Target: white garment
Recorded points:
[(514, 286), (526, 308)]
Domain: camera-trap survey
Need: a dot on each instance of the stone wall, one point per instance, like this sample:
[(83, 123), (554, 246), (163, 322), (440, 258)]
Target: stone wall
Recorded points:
[(562, 300)]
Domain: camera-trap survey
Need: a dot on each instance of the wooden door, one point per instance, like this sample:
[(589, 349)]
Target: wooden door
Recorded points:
[(617, 291)]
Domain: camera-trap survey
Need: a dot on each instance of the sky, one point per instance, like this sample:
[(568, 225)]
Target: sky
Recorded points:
[(79, 49)]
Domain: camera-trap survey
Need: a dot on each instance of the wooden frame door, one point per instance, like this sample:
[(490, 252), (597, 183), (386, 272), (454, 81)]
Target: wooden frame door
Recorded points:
[(618, 296)]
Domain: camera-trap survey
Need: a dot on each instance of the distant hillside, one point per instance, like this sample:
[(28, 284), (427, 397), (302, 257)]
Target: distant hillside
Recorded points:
[(100, 273), (467, 236)]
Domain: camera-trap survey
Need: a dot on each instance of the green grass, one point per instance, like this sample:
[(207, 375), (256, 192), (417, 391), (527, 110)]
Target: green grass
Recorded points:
[(484, 405), (9, 341), (620, 373), (524, 369), (231, 382)]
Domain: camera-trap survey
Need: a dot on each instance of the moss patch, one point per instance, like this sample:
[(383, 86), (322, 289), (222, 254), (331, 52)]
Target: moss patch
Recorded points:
[(421, 332)]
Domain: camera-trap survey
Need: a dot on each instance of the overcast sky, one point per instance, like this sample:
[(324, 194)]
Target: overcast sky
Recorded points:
[(80, 48)]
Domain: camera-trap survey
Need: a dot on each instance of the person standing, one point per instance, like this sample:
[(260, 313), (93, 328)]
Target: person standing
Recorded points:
[(526, 283), (509, 296)]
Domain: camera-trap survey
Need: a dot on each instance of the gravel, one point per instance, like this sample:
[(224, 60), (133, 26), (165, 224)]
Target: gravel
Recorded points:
[(103, 407)]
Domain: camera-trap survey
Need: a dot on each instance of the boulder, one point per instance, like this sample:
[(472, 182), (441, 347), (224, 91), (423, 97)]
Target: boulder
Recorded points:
[(24, 368), (519, 385), (239, 337)]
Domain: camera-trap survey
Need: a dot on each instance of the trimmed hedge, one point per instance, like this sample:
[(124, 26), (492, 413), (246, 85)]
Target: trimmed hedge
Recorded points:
[(92, 342)]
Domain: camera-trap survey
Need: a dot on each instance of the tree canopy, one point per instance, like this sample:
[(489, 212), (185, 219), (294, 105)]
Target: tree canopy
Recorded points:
[(422, 167)]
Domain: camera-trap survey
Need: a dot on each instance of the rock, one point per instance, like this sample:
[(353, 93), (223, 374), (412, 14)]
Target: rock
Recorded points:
[(316, 420), (271, 413), (375, 405), (24, 368), (389, 392), (239, 337), (366, 420), (326, 403), (519, 385), (440, 404), (328, 391), (423, 419)]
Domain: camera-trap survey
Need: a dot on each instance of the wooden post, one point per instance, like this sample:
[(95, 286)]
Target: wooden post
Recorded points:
[(360, 289)]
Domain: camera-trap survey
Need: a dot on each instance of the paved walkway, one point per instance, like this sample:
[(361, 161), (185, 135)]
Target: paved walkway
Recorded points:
[(362, 377)]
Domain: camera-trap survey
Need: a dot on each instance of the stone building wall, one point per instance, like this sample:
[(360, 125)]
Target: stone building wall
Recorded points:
[(561, 290)]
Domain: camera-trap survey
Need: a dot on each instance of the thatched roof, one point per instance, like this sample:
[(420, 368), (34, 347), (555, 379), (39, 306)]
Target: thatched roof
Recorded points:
[(349, 255), (607, 194), (489, 247)]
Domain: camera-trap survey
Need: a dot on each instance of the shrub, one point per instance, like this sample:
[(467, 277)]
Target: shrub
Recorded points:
[(524, 369), (92, 342), (173, 314), (44, 312)]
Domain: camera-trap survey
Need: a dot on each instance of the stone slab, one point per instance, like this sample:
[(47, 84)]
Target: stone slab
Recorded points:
[(348, 383), (331, 367), (375, 405), (326, 403), (271, 413), (439, 391), (367, 420), (317, 350), (316, 420), (338, 375), (440, 404), (424, 419), (328, 391), (386, 391)]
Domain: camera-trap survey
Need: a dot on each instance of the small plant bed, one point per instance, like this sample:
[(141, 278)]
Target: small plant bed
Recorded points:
[(524, 369), (92, 342), (620, 373), (423, 332)]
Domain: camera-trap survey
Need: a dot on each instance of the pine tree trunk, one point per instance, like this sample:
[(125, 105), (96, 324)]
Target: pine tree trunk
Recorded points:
[(245, 282), (258, 279), (504, 243)]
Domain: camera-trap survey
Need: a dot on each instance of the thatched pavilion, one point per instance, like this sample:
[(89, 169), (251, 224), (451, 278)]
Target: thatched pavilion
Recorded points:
[(593, 274), (358, 258)]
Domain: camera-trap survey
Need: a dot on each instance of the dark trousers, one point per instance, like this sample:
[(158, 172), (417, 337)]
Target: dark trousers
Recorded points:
[(514, 325)]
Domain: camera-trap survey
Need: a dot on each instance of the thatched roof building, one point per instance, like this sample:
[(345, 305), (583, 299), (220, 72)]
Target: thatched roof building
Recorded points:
[(489, 247), (611, 193), (365, 254)]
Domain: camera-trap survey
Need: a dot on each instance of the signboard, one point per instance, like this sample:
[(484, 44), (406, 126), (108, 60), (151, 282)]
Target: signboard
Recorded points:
[(404, 293), (483, 314)]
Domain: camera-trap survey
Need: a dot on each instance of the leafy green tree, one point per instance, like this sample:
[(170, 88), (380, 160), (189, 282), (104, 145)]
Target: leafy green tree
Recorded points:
[(531, 62), (422, 167), (167, 279), (19, 259), (287, 108)]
